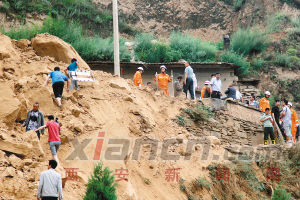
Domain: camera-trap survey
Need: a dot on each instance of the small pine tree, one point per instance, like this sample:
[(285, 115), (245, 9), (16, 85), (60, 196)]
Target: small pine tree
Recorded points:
[(101, 185), (281, 194)]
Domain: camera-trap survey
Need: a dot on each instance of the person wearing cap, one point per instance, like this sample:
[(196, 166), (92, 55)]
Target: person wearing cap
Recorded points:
[(264, 102), (231, 92), (137, 78), (285, 115), (267, 120), (216, 86), (295, 121), (178, 86), (205, 92), (188, 80), (163, 80)]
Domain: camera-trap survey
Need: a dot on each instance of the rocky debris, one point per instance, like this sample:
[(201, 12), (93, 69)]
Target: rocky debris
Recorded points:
[(49, 45), (6, 48), (15, 162), (119, 84), (23, 43)]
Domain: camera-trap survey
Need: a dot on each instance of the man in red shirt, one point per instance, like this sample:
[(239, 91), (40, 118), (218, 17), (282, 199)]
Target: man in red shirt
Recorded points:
[(53, 138)]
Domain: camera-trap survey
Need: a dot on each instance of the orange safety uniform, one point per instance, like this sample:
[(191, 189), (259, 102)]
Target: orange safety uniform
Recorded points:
[(294, 119), (205, 89), (264, 103), (163, 82), (137, 78)]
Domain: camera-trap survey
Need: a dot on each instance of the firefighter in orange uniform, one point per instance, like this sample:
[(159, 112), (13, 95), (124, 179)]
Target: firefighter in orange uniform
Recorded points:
[(137, 79), (163, 80), (295, 122), (264, 102)]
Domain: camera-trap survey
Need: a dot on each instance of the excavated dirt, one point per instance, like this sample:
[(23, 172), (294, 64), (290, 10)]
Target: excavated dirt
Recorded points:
[(119, 109)]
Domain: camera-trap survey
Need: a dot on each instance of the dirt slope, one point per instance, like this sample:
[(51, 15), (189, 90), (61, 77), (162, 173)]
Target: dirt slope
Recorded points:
[(115, 106)]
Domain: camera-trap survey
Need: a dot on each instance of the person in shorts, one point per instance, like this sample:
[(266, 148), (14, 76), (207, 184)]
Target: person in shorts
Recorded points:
[(53, 136), (58, 82)]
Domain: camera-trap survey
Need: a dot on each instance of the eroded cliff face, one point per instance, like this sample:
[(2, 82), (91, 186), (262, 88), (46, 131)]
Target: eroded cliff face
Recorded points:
[(208, 19)]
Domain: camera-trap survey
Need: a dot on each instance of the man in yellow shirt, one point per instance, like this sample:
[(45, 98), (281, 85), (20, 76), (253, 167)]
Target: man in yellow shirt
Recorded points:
[(163, 80), (137, 79), (264, 102), (295, 122)]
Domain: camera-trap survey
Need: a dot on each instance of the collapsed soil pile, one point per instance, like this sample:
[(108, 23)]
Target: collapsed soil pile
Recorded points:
[(126, 117)]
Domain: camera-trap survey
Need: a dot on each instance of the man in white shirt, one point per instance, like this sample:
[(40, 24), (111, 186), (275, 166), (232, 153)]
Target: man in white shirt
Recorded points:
[(286, 120), (50, 185), (216, 86)]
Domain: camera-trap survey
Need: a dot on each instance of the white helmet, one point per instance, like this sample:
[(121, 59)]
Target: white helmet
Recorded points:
[(267, 93), (163, 67), (206, 82), (290, 103), (140, 68)]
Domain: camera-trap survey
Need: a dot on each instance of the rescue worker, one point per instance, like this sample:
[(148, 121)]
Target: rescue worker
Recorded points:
[(295, 122), (264, 102), (205, 92), (163, 80), (137, 78)]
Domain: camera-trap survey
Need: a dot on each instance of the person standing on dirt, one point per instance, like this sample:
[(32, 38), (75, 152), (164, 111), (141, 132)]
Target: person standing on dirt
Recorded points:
[(137, 78), (178, 86), (295, 121), (34, 120), (163, 80), (264, 102), (285, 115), (58, 82), (50, 185), (53, 136), (267, 121), (72, 68), (188, 83), (276, 115), (216, 87), (205, 92)]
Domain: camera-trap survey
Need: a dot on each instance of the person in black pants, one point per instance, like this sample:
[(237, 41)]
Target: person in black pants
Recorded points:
[(58, 82), (188, 80), (267, 120), (276, 116)]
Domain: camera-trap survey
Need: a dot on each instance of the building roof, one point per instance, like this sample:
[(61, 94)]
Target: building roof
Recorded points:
[(216, 65)]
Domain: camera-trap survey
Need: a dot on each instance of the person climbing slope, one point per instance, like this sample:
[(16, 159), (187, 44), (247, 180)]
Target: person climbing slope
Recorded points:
[(53, 136), (72, 67), (163, 80), (137, 78), (58, 82)]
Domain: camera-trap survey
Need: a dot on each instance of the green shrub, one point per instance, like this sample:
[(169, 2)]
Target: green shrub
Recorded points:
[(199, 113), (292, 87), (101, 185), (258, 64), (283, 60), (277, 22), (238, 4), (232, 57), (228, 2), (246, 41), (202, 182), (281, 194), (192, 49)]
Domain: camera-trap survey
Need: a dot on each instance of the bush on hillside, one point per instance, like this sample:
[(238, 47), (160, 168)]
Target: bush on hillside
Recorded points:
[(258, 64), (281, 194), (238, 4), (90, 48), (247, 42), (101, 185), (192, 49), (284, 60), (232, 57), (199, 113)]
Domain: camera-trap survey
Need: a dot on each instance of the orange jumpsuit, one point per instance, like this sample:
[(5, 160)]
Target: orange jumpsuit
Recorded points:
[(294, 119), (203, 91), (163, 82), (137, 79), (264, 103)]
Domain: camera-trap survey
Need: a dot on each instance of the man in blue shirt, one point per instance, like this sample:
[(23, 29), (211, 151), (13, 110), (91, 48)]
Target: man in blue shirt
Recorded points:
[(188, 80), (58, 82), (72, 67)]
